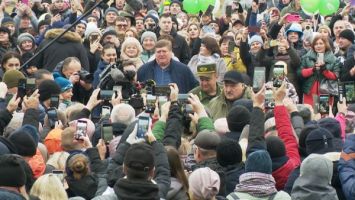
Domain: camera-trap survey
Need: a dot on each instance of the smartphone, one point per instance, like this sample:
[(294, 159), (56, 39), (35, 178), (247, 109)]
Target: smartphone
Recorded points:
[(209, 10), (81, 128), (320, 57), (161, 90), (269, 100), (231, 46), (21, 88), (54, 101), (105, 111), (293, 18), (324, 104), (30, 86), (349, 88), (106, 95), (106, 133), (229, 11), (183, 99), (341, 91), (150, 106), (278, 75), (143, 124), (59, 174), (52, 117), (259, 78)]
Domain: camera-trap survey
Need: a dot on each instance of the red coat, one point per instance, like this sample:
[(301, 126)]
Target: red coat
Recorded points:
[(285, 131)]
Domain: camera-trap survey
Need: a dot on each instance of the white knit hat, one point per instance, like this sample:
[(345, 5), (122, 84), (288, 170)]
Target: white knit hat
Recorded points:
[(92, 28)]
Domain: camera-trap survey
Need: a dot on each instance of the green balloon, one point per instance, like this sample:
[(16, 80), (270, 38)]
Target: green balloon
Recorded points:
[(328, 7), (191, 6), (310, 6), (203, 4)]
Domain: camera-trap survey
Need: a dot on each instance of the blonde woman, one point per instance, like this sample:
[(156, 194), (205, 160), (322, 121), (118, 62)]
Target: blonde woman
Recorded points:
[(49, 187), (132, 50)]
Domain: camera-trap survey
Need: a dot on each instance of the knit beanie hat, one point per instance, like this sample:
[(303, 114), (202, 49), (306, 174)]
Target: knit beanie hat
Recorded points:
[(48, 88), (204, 183), (256, 38), (275, 147), (91, 28), (229, 152), (153, 16), (53, 141), (294, 27), (7, 20), (319, 141), (12, 173), (12, 77), (177, 2), (324, 27), (332, 125), (259, 161), (42, 22), (63, 83), (32, 131), (23, 141), (111, 9), (109, 31), (237, 118), (149, 34), (347, 34), (25, 37)]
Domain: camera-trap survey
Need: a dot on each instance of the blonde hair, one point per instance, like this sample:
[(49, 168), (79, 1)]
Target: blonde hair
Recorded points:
[(58, 160), (131, 41), (49, 187)]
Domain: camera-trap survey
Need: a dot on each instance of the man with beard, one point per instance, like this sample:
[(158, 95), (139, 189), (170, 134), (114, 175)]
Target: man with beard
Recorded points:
[(233, 89)]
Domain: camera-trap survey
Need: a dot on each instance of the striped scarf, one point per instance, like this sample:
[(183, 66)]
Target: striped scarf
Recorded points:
[(256, 184)]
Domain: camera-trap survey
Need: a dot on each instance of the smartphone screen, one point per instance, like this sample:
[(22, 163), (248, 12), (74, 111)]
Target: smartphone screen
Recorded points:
[(24, 2), (278, 75), (269, 100), (161, 90), (274, 43), (231, 46), (259, 78), (143, 124), (107, 132), (54, 101), (81, 128), (21, 88), (320, 58), (59, 174), (106, 94), (323, 104), (30, 86), (105, 110), (228, 11), (349, 88)]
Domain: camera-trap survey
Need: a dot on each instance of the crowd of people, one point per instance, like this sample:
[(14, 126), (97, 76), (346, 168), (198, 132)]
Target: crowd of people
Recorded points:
[(140, 99)]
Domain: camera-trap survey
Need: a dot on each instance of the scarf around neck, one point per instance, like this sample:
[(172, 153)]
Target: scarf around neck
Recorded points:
[(256, 184)]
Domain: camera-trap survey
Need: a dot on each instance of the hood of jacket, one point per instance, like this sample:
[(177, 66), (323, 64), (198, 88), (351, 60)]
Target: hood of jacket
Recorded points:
[(67, 37), (314, 181), (126, 189)]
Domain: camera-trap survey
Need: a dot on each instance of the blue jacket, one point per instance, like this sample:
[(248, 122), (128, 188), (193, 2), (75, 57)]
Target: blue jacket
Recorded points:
[(179, 72), (346, 167), (100, 67)]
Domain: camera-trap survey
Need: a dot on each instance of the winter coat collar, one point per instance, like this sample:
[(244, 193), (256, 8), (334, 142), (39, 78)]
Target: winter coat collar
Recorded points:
[(136, 189), (67, 37)]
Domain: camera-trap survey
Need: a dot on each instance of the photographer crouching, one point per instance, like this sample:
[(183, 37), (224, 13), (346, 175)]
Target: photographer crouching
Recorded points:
[(81, 79)]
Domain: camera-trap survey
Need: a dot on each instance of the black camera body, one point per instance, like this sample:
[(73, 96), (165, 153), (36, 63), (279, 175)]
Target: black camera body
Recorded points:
[(86, 76), (136, 101)]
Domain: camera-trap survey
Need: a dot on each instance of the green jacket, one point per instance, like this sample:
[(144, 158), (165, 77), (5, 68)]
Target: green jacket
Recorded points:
[(308, 61), (219, 106), (205, 98), (159, 127)]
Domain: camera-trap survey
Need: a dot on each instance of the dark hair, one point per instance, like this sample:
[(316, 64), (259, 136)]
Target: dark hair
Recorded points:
[(107, 46), (211, 44), (7, 56), (176, 167), (39, 73), (225, 38)]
